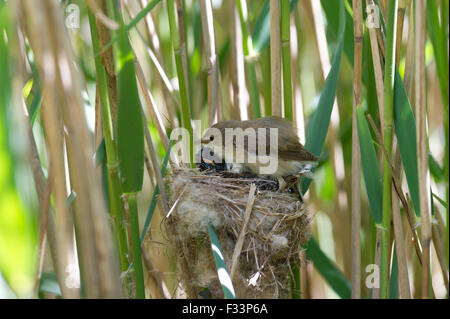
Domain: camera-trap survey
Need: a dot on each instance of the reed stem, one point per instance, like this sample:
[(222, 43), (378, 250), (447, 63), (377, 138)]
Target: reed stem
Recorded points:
[(389, 69), (114, 191), (422, 147), (176, 44), (130, 200), (356, 155), (209, 39), (286, 47), (275, 57), (249, 58)]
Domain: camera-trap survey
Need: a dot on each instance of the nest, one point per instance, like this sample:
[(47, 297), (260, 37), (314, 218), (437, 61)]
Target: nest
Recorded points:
[(277, 227)]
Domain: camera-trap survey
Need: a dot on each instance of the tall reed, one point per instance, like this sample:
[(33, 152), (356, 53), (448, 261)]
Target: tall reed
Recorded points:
[(389, 69)]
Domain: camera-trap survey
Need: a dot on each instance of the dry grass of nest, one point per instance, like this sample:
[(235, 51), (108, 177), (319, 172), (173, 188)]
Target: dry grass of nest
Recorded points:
[(278, 225)]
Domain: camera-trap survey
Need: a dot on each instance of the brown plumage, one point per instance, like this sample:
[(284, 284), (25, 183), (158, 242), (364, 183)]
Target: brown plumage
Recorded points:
[(292, 156)]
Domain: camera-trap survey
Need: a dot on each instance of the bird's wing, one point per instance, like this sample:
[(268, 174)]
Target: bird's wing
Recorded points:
[(289, 146)]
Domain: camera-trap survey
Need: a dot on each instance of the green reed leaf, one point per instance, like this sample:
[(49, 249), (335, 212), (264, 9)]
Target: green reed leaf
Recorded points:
[(370, 166), (222, 272)]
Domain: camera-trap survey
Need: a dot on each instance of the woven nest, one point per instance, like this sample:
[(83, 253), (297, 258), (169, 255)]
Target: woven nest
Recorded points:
[(277, 227)]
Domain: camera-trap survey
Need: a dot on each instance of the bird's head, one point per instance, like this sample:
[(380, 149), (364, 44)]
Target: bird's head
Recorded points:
[(214, 137)]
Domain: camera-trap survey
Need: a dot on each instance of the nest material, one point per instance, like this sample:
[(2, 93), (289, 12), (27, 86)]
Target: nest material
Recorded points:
[(278, 226)]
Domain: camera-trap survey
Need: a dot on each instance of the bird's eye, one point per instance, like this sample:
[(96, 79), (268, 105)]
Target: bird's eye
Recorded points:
[(211, 138), (211, 153)]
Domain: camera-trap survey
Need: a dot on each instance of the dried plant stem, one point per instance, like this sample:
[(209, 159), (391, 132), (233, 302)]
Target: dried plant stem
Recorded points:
[(155, 165), (100, 274), (376, 292), (93, 6), (384, 7), (238, 68), (151, 105), (159, 290), (178, 52), (404, 289), (356, 156), (162, 189), (131, 205), (107, 59), (440, 251), (397, 185), (408, 78), (240, 241), (43, 225), (298, 100), (165, 84), (400, 19), (114, 190), (378, 69), (41, 189), (286, 50), (422, 149), (275, 57), (55, 145), (157, 59), (214, 85), (336, 155), (249, 57), (389, 69)]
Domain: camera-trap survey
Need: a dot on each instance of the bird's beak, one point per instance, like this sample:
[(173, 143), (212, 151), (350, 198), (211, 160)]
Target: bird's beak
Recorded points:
[(209, 161)]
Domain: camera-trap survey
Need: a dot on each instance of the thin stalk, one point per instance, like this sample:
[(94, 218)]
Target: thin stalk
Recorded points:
[(156, 167), (163, 81), (104, 19), (249, 56), (238, 68), (341, 201), (52, 122), (275, 56), (42, 242), (422, 149), (444, 39), (305, 292), (438, 235), (153, 45), (296, 283), (356, 155), (107, 59), (214, 86), (383, 6), (130, 201), (404, 289), (389, 69), (158, 286), (114, 191), (400, 19), (439, 41), (440, 46), (408, 78), (240, 241), (376, 293), (41, 189), (151, 104), (92, 225), (378, 69), (183, 22), (286, 47), (176, 44), (300, 280), (298, 100), (403, 279)]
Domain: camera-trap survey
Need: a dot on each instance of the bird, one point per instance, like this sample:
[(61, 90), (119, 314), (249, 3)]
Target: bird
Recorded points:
[(227, 141)]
